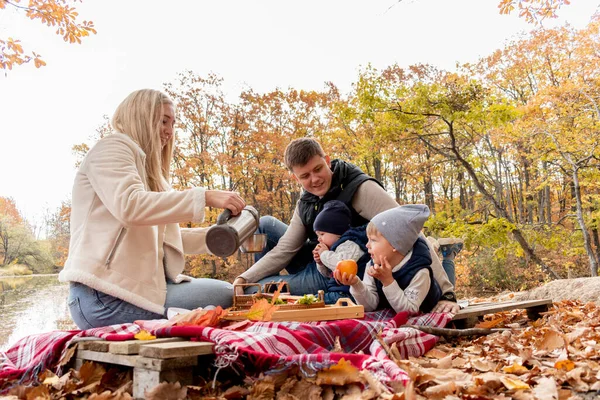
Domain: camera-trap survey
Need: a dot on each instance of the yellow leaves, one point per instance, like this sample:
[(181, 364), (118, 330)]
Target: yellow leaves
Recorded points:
[(515, 368), (565, 365), (513, 384), (262, 310), (144, 335)]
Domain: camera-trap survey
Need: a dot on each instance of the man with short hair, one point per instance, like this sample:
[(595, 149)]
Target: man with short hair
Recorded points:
[(290, 247)]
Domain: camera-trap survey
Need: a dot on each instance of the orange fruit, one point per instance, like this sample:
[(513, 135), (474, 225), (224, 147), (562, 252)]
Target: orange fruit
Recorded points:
[(348, 266)]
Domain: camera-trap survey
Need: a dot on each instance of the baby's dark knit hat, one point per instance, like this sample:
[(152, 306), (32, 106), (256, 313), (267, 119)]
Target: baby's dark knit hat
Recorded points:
[(402, 225), (334, 218)]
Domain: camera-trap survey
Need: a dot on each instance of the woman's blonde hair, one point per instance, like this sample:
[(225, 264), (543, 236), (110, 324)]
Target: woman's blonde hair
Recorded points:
[(140, 116)]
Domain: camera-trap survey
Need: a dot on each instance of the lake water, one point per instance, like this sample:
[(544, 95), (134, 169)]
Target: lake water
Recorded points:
[(32, 304)]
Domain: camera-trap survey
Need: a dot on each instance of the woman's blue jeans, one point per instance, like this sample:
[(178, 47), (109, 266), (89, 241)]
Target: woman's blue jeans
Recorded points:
[(91, 309)]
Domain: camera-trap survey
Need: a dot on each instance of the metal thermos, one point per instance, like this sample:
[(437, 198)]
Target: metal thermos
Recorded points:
[(224, 238)]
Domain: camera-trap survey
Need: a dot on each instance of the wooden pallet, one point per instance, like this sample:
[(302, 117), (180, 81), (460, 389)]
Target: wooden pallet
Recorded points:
[(153, 361), (468, 317)]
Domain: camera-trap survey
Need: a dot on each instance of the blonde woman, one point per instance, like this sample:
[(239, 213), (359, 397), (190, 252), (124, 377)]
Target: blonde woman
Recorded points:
[(126, 251)]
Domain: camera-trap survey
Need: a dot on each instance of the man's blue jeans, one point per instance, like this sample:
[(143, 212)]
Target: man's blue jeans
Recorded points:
[(303, 278)]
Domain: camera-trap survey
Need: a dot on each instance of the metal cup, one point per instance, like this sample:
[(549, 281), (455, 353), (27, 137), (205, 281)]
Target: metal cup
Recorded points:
[(254, 244)]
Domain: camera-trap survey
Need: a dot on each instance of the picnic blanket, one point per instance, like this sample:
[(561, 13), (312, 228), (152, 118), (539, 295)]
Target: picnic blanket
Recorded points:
[(259, 347)]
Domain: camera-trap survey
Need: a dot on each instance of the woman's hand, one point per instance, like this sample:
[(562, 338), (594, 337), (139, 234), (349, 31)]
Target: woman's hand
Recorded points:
[(224, 199), (345, 278)]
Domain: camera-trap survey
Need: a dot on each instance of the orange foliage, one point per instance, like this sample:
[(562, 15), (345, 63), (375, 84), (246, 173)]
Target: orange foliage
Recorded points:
[(54, 13)]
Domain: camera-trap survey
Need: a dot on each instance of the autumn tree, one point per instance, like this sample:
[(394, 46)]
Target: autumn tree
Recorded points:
[(58, 14), (17, 243)]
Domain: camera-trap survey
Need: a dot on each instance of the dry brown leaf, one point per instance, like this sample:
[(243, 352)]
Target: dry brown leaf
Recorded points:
[(236, 392), (483, 365), (340, 374), (565, 365), (167, 391), (440, 391), (263, 389), (445, 363), (38, 393), (91, 372), (303, 389), (106, 395), (490, 324), (551, 340), (575, 380), (459, 362), (68, 355), (435, 353), (546, 389)]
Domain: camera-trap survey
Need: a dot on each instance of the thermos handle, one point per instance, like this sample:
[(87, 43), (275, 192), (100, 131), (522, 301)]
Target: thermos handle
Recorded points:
[(224, 216)]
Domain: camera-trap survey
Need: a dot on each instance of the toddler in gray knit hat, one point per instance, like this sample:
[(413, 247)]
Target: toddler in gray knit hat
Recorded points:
[(399, 275)]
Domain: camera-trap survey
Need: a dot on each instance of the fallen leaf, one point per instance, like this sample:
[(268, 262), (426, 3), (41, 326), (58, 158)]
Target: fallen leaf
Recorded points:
[(513, 384), (551, 340), (236, 392), (490, 324), (440, 391), (565, 365), (144, 335), (546, 389), (262, 390), (515, 369), (435, 353), (167, 391), (261, 310), (339, 374)]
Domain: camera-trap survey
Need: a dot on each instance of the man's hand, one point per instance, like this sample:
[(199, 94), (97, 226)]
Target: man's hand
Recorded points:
[(345, 278), (444, 306), (224, 199), (239, 291), (382, 272)]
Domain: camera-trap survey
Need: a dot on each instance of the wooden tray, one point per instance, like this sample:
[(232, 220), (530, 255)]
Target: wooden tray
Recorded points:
[(343, 309), (245, 301)]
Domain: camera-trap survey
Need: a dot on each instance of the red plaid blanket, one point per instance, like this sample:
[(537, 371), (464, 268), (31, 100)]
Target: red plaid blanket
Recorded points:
[(262, 346)]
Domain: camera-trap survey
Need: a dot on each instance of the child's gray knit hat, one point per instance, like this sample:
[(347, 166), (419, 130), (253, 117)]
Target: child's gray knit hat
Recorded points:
[(402, 225)]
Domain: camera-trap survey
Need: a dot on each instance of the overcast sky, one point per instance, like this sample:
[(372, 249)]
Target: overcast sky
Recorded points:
[(257, 44)]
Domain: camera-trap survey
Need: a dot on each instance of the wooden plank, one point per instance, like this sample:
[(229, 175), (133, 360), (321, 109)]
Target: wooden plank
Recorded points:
[(95, 345), (133, 346), (476, 311), (176, 349), (157, 364), (119, 359)]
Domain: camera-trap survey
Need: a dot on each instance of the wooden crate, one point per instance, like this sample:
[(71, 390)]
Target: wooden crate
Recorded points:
[(153, 361), (468, 317)]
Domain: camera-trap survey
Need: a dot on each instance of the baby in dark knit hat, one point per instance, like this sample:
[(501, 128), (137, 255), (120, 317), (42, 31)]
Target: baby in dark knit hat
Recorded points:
[(338, 241), (399, 275)]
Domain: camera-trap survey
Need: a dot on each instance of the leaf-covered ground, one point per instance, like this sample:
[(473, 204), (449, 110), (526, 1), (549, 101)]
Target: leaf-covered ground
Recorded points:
[(555, 357)]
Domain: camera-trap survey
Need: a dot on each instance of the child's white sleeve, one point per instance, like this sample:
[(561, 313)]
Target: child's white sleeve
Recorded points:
[(409, 299), (345, 251), (365, 292)]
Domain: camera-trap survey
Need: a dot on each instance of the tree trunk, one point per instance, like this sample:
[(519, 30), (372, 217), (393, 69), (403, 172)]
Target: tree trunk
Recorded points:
[(586, 236)]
